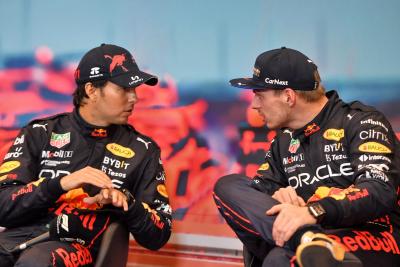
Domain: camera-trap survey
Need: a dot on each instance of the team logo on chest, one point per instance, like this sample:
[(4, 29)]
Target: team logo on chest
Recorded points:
[(60, 140), (294, 145), (99, 133), (311, 129)]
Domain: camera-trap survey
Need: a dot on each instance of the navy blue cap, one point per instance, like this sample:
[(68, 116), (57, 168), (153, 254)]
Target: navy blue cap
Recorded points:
[(112, 63), (279, 69)]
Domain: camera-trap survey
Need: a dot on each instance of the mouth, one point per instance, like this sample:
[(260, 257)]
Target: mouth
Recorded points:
[(127, 111), (261, 115)]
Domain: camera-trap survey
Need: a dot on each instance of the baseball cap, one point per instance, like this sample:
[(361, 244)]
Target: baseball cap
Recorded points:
[(112, 63), (279, 69)]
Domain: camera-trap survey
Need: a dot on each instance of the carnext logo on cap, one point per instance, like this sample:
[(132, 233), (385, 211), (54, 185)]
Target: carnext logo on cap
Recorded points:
[(276, 81)]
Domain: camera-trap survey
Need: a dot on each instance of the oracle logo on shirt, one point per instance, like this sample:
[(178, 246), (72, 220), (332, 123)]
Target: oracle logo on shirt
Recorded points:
[(322, 172)]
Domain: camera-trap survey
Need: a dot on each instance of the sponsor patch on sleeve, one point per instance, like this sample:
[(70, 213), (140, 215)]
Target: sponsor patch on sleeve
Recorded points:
[(334, 134), (351, 193), (9, 166), (162, 190), (264, 167), (374, 147)]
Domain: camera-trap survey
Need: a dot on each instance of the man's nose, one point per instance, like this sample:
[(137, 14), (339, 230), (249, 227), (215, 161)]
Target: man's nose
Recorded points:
[(132, 97), (254, 103)]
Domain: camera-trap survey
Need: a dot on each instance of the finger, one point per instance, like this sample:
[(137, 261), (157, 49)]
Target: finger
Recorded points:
[(301, 201), (285, 195), (90, 200), (274, 209), (121, 200), (288, 233), (105, 194), (292, 227), (115, 198), (276, 230), (277, 196), (293, 196), (96, 177), (281, 230), (125, 205)]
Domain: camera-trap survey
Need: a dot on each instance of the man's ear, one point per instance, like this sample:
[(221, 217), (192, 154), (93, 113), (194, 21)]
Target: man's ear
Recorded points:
[(290, 96), (91, 91)]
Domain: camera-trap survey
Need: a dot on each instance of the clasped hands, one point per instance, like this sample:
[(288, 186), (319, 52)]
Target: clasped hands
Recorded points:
[(90, 175), (291, 214)]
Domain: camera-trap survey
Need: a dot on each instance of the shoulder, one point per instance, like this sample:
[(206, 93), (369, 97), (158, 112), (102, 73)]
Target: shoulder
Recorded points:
[(139, 139), (361, 114), (352, 114), (43, 124), (364, 121), (282, 141)]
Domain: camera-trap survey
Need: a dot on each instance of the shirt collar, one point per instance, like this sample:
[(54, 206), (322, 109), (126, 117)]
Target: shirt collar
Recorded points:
[(90, 130), (320, 120)]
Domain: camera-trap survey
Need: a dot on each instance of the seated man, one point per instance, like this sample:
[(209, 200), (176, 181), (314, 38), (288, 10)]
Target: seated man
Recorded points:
[(327, 194), (74, 173)]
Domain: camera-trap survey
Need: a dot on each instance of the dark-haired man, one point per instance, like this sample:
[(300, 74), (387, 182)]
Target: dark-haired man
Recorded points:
[(77, 172), (330, 178)]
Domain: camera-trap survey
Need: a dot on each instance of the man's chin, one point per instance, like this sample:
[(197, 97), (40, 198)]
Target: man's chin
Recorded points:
[(271, 126), (121, 121)]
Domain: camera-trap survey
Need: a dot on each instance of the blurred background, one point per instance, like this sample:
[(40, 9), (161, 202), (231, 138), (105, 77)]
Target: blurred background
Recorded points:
[(203, 125)]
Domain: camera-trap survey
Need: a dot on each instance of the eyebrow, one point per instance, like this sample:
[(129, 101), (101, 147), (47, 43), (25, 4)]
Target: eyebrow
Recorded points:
[(260, 90)]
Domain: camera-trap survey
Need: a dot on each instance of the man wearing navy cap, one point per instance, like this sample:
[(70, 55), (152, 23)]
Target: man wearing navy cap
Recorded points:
[(328, 191), (75, 173)]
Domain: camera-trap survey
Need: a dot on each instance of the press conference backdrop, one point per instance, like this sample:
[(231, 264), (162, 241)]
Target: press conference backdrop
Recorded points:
[(204, 127)]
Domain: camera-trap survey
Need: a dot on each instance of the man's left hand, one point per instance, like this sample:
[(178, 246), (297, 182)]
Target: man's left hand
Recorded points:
[(109, 196), (289, 218)]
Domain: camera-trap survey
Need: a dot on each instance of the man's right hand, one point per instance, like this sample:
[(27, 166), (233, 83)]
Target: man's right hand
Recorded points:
[(288, 195), (87, 175)]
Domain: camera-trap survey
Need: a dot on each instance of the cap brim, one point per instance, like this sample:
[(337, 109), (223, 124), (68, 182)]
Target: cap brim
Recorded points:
[(134, 79), (246, 83)]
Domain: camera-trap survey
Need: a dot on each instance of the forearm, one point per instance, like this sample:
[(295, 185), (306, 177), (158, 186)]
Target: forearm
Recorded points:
[(24, 203), (365, 202), (150, 228)]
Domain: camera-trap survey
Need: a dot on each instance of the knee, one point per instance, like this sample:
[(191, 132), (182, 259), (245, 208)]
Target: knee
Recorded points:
[(41, 259), (278, 257), (41, 254), (225, 184), (6, 261)]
